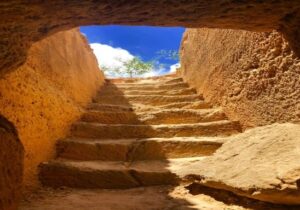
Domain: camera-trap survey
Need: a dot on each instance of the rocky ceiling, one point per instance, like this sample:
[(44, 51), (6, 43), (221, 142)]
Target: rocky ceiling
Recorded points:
[(23, 22)]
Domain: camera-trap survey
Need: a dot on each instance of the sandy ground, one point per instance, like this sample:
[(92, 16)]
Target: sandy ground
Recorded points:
[(146, 198)]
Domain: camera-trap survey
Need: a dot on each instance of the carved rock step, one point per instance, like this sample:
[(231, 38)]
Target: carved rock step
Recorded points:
[(110, 107), (167, 116), (137, 149), (147, 79), (183, 91), (111, 174), (185, 105), (140, 107), (150, 82), (158, 84), (117, 131), (145, 99), (121, 87)]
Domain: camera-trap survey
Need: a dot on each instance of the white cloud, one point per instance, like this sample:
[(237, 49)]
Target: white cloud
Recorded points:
[(109, 56), (114, 58), (174, 67), (162, 71), (154, 73)]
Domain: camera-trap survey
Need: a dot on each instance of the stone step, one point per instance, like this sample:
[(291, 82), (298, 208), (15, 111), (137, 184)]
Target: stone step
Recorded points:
[(112, 174), (184, 91), (140, 87), (185, 105), (142, 108), (137, 149), (158, 84), (144, 80), (174, 81), (109, 107), (118, 131), (145, 99), (167, 116), (148, 81)]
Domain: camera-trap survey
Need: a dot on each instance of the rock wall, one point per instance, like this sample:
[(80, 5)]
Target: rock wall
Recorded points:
[(25, 22), (45, 95), (253, 76)]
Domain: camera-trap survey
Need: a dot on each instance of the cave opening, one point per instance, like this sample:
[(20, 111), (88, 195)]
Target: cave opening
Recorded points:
[(43, 97), (135, 51)]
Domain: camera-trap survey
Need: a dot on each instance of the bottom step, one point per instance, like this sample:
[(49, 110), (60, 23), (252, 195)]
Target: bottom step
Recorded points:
[(109, 175)]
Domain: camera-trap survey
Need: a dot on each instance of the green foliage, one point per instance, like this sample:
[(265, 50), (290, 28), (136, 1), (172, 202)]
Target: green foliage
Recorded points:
[(133, 67), (137, 67)]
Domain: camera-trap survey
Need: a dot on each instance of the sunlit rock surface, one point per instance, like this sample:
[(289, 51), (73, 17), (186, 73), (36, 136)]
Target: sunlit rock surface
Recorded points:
[(253, 76), (45, 95)]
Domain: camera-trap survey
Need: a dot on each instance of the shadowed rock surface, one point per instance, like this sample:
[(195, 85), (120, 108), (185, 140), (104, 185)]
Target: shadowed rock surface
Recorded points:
[(11, 165)]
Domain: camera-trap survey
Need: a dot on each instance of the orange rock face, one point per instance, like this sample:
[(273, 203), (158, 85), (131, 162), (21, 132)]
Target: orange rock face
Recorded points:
[(45, 95), (253, 76), (23, 23)]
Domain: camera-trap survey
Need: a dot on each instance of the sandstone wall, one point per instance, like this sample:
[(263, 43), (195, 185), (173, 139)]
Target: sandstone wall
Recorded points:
[(45, 95), (253, 76)]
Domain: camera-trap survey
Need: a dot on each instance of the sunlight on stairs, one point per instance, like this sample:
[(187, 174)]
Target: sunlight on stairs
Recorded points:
[(138, 132)]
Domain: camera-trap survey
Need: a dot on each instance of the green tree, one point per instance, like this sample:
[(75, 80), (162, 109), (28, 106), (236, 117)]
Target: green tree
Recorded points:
[(133, 67), (136, 67)]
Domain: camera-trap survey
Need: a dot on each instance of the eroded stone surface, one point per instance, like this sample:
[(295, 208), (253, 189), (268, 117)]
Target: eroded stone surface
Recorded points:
[(23, 23), (44, 96), (253, 76), (262, 163)]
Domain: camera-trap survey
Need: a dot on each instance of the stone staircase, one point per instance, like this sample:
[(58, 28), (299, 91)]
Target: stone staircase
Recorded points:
[(138, 132)]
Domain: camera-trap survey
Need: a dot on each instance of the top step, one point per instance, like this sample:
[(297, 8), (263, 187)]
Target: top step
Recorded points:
[(146, 79), (152, 82), (143, 86)]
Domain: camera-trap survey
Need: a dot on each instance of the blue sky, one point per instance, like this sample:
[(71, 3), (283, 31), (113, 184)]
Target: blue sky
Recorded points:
[(142, 41)]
